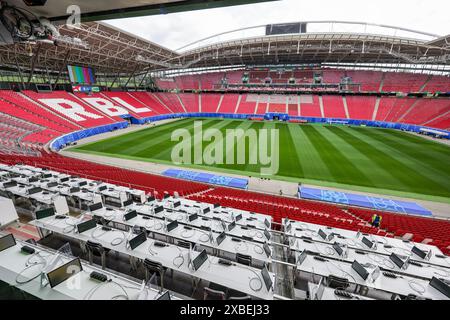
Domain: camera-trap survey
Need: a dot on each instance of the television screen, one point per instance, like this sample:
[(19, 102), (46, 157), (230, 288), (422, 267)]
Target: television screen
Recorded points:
[(200, 260), (363, 273), (441, 286), (172, 225), (6, 242), (44, 213), (95, 206), (138, 240), (81, 75), (231, 226), (87, 225), (422, 254), (130, 215), (266, 277), (193, 217), (64, 272), (322, 234), (367, 242), (396, 259), (220, 238)]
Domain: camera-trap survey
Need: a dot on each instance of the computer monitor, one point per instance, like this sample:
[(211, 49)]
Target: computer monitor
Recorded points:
[(34, 179), (44, 213), (62, 180), (9, 184), (87, 225), (267, 223), (320, 290), (150, 199), (159, 209), (52, 184), (220, 238), (288, 227), (176, 204), (138, 240), (193, 217), (216, 205), (418, 252), (367, 242), (267, 278), (322, 234), (301, 257), (34, 190), (441, 286), (397, 260), (74, 190), (166, 196), (267, 250), (360, 270), (238, 217), (47, 175), (130, 215), (338, 248), (164, 296), (7, 241), (64, 272), (200, 260), (206, 210), (267, 234), (102, 188), (82, 184), (172, 225), (95, 206), (231, 226), (127, 203)]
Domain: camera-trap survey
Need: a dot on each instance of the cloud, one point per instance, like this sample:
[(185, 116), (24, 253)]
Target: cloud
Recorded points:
[(178, 29)]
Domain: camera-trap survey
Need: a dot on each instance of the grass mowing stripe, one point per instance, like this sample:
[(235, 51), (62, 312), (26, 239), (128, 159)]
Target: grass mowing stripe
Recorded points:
[(110, 143), (356, 152), (409, 170), (439, 176), (388, 178), (290, 164), (433, 157), (341, 169), (142, 146), (312, 164), (163, 149)]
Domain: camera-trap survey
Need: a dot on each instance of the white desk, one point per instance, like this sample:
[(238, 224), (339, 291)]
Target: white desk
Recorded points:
[(13, 261), (325, 250), (195, 235), (349, 238), (400, 286), (235, 277)]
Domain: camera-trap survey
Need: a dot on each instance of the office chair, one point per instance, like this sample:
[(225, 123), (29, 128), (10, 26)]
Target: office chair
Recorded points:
[(243, 298), (96, 249), (210, 294), (152, 266), (237, 295), (243, 259)]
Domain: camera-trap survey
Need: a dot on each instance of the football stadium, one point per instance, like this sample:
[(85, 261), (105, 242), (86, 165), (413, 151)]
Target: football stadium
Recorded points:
[(302, 160)]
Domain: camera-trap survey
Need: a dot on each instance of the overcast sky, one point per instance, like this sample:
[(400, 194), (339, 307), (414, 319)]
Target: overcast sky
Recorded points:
[(176, 30)]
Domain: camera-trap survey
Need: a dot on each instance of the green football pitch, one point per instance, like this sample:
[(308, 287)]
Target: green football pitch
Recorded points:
[(355, 158)]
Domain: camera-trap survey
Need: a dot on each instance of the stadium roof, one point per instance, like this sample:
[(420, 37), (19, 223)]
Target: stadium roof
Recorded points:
[(112, 51), (91, 10)]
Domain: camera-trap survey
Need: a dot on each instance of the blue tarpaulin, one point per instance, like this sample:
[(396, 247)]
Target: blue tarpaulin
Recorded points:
[(363, 201), (207, 178)]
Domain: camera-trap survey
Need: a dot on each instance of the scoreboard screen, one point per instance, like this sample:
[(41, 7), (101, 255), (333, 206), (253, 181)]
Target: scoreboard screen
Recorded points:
[(285, 28), (81, 75)]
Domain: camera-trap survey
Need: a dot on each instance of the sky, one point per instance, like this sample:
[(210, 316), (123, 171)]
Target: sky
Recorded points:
[(176, 30)]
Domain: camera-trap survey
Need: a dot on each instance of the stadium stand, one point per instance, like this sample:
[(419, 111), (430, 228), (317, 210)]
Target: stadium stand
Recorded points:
[(229, 103), (309, 106), (247, 104), (210, 102), (333, 107), (361, 108)]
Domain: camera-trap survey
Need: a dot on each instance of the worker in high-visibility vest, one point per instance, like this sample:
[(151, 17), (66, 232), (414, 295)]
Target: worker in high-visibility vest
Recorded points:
[(376, 220)]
